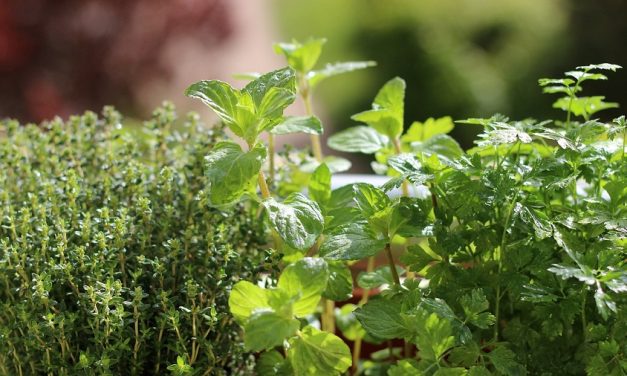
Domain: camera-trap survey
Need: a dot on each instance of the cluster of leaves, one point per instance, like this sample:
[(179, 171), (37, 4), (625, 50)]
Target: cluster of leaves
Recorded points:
[(511, 253), (111, 259)]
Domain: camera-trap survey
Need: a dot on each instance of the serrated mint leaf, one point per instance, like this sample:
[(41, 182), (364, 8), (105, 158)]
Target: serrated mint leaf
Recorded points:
[(275, 100), (387, 111), (320, 185), (381, 276), (298, 124), (302, 57), (297, 220), (318, 353), (218, 95), (259, 88), (381, 318), (231, 172), (340, 282), (359, 139), (370, 200), (315, 77), (352, 241), (245, 298), (272, 363), (305, 279), (266, 329)]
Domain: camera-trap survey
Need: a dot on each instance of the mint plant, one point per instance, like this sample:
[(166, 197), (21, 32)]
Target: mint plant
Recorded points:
[(511, 253)]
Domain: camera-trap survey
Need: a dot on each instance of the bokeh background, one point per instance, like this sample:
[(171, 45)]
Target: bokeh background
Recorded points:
[(463, 58)]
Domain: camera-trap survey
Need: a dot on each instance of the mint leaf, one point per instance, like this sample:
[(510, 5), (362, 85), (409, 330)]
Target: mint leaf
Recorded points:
[(272, 363), (302, 57), (318, 353), (352, 241), (359, 139), (218, 95), (298, 124), (315, 77), (266, 329), (381, 318), (340, 282), (297, 220), (306, 279), (320, 185), (245, 298), (231, 172), (387, 111)]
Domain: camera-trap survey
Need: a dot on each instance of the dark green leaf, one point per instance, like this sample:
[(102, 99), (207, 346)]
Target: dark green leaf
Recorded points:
[(340, 283), (352, 241), (381, 318)]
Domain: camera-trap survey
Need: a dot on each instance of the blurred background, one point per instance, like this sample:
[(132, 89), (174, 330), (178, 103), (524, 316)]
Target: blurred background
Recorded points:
[(463, 58)]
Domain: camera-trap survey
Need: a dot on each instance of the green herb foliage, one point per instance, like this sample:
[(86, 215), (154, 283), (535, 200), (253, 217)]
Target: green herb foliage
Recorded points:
[(112, 261), (511, 254)]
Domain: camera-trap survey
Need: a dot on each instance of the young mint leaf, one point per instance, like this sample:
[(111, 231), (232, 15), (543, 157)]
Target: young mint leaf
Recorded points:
[(306, 279), (340, 283), (245, 298), (431, 127), (266, 329), (219, 96), (359, 139), (297, 220), (298, 124), (259, 88), (381, 318), (302, 57), (351, 241), (387, 111), (315, 77), (231, 172), (275, 100), (370, 200), (320, 185), (318, 353), (410, 218)]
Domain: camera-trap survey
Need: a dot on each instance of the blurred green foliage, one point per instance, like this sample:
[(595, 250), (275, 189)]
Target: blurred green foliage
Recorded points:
[(459, 58)]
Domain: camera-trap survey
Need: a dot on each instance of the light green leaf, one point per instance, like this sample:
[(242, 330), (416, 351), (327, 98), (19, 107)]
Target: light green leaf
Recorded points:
[(302, 57), (381, 318), (266, 329), (274, 102), (340, 283), (603, 66), (231, 172), (306, 279), (370, 200), (351, 241), (320, 185), (315, 77), (298, 124), (433, 335), (584, 106), (245, 298), (387, 111), (405, 367), (423, 131), (318, 353), (359, 139), (347, 322), (297, 220), (381, 276), (279, 79), (442, 145), (218, 95)]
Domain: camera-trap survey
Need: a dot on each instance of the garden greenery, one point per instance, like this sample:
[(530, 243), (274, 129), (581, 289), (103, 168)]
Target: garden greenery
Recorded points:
[(118, 253), (510, 255), (111, 260)]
